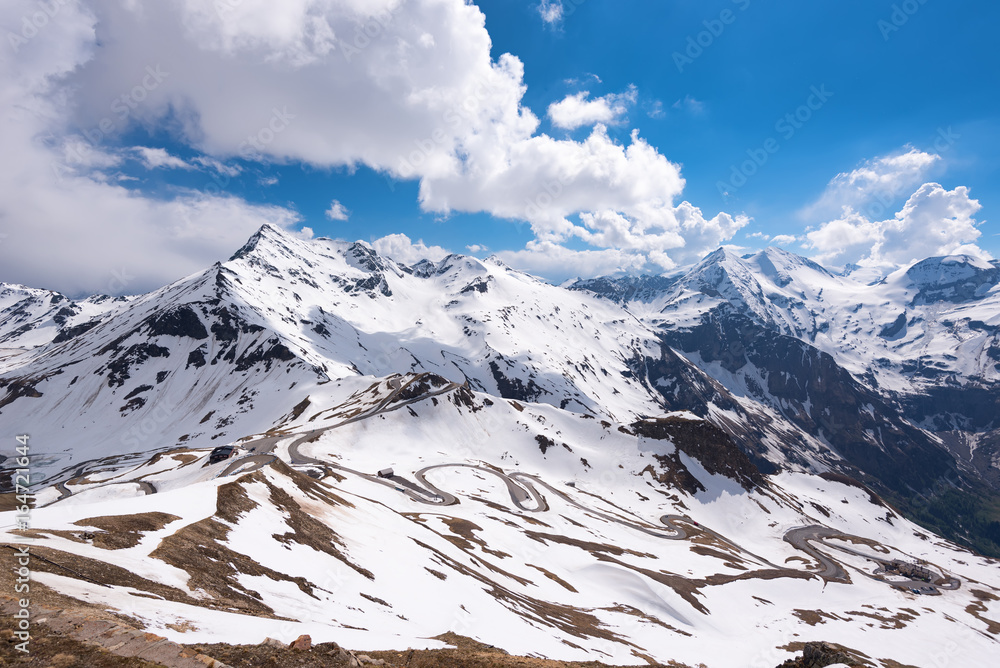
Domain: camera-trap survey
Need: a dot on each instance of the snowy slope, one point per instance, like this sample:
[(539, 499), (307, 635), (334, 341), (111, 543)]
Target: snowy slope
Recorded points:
[(590, 574), (618, 473), (195, 361), (900, 376), (937, 318), (30, 317)]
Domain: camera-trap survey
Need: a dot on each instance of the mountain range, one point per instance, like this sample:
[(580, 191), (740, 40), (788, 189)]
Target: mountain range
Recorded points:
[(622, 468)]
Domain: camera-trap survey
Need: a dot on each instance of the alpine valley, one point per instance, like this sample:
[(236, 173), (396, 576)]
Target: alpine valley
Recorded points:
[(709, 468)]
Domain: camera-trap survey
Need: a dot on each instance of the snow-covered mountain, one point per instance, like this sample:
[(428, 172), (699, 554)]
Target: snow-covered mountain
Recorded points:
[(626, 471), (192, 362), (899, 376)]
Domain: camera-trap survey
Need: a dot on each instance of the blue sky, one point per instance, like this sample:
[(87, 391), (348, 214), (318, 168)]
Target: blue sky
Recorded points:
[(606, 106)]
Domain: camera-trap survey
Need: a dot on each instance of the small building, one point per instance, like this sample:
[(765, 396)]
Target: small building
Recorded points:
[(385, 473), (910, 570), (221, 453)]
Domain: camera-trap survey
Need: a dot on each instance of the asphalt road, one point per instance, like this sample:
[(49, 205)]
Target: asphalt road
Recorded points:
[(258, 461), (833, 571), (518, 494), (261, 449), (64, 492), (799, 539)]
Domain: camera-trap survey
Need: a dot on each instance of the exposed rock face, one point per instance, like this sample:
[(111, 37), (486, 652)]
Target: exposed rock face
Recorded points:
[(813, 392), (302, 643), (708, 444), (819, 655)]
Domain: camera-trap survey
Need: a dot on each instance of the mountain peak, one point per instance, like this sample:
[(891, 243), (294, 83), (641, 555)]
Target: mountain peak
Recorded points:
[(362, 255), (266, 232), (952, 278), (780, 265), (720, 254)]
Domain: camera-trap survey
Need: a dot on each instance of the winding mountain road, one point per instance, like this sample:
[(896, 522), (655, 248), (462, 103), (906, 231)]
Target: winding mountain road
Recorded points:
[(524, 491), (834, 572), (257, 461), (64, 492), (799, 539)]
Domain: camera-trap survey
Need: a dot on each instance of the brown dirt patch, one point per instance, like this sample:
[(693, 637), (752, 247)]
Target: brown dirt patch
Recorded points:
[(121, 531), (198, 549), (812, 618), (50, 560), (8, 501), (468, 653), (466, 536), (555, 578), (727, 558), (465, 653), (570, 620), (590, 546), (979, 607), (897, 621), (306, 529), (636, 612)]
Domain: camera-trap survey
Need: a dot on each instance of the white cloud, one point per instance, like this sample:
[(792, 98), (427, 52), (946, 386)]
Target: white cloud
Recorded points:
[(401, 249), (157, 158), (476, 248), (337, 211), (53, 187), (776, 240), (933, 222), (551, 11), (784, 239), (623, 196), (875, 184), (587, 78), (558, 263), (414, 94), (75, 153), (576, 111), (223, 169)]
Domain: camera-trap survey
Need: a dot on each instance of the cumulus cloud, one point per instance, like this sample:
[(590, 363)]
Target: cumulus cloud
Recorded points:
[(559, 264), (875, 184), (577, 110), (337, 211), (595, 190), (400, 248), (69, 224), (406, 88), (934, 221)]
